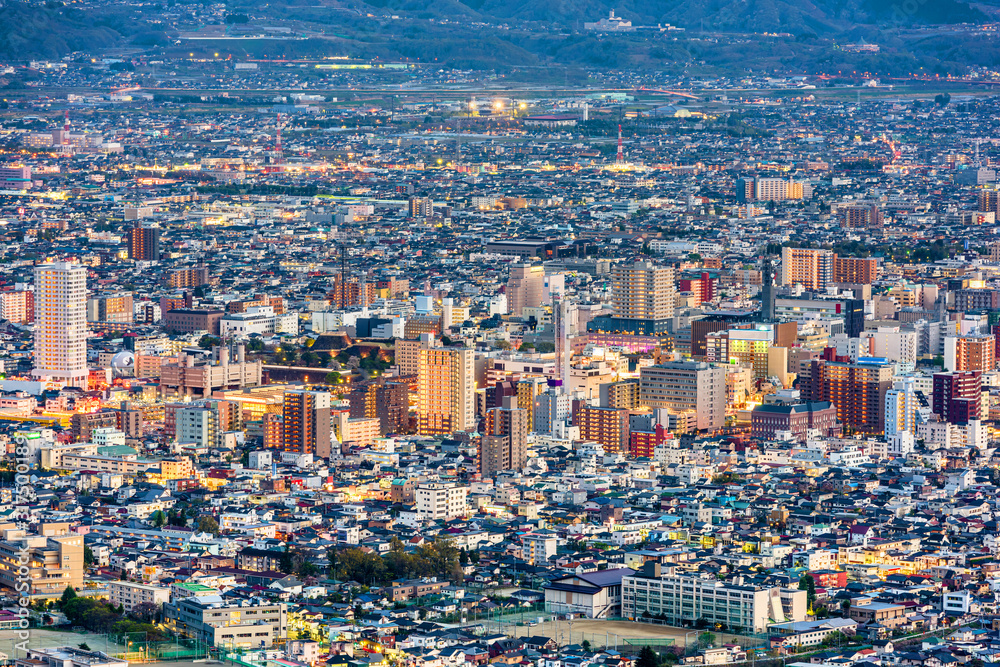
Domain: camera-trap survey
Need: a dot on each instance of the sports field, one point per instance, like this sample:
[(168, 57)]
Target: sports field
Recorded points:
[(51, 638), (616, 633)]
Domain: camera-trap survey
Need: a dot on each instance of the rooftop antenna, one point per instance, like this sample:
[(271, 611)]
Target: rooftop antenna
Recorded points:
[(620, 158)]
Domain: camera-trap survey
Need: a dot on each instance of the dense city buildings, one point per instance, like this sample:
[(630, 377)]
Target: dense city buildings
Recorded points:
[(310, 359)]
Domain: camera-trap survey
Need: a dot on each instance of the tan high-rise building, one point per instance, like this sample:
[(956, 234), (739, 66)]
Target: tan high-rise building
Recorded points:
[(970, 353), (446, 391), (809, 267), (504, 445), (306, 423), (110, 308), (643, 291), (61, 323), (528, 389), (525, 287), (408, 353), (686, 385), (858, 390), (855, 270)]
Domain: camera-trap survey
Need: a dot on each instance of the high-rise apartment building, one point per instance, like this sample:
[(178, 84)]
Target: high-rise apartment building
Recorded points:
[(607, 426), (384, 400), (527, 390), (525, 287), (855, 270), (642, 291), (143, 242), (809, 267), (421, 207), (305, 422), (504, 444), (446, 386), (18, 306), (110, 308), (194, 276), (686, 385), (857, 389), (901, 417), (861, 216), (61, 324), (970, 353), (957, 396)]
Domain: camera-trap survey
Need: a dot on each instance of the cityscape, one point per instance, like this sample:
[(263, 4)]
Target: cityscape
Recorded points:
[(426, 334)]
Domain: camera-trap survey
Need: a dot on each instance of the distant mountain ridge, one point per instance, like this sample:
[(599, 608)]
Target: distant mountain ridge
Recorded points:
[(818, 16)]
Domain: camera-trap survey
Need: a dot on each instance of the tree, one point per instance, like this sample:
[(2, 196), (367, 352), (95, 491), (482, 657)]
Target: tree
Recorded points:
[(208, 342), (808, 584), (647, 657), (207, 524), (67, 595), (145, 612), (942, 99), (88, 556), (84, 647), (158, 518), (585, 644), (706, 639)]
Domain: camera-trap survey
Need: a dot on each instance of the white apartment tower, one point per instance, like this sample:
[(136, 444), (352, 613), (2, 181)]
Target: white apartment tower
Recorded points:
[(61, 323)]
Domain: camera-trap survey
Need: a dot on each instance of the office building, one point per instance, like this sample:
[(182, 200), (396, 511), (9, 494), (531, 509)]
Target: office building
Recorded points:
[(60, 323), (55, 560), (232, 624), (525, 287), (686, 385), (970, 353), (446, 387), (438, 501), (306, 422), (504, 444), (769, 419), (958, 396), (552, 407), (683, 599), (192, 320), (195, 376), (858, 391), (143, 242), (837, 315), (808, 267), (17, 177), (642, 291)]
